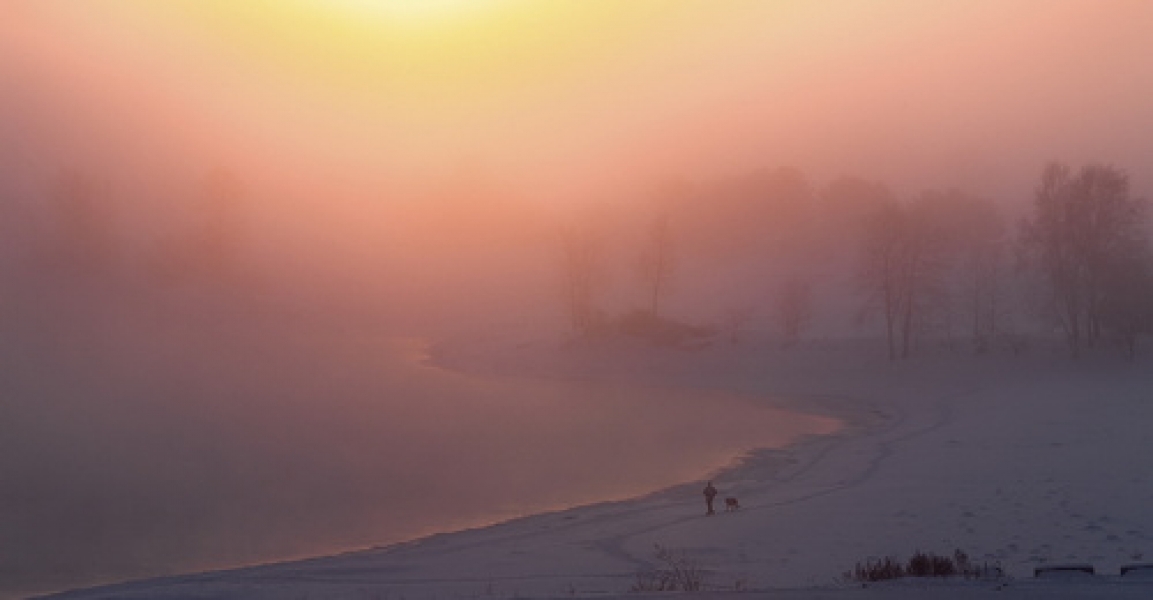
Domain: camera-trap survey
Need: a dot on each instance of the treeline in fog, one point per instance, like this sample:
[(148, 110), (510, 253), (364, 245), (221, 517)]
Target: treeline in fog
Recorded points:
[(685, 260), (851, 258)]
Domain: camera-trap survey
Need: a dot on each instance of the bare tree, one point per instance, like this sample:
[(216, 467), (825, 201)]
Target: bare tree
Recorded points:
[(1127, 308), (982, 274), (972, 233), (1047, 242), (582, 271), (1084, 230), (658, 262), (793, 307), (881, 271), (902, 264)]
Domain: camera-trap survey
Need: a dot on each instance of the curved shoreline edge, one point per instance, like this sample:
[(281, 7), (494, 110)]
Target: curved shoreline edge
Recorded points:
[(811, 508), (856, 416), (774, 463)]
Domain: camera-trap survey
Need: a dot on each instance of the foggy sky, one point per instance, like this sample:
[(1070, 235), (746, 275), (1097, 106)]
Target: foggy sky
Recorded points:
[(569, 102), (364, 137)]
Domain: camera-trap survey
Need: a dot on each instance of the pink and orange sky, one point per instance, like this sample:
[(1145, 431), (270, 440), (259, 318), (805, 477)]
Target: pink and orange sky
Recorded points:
[(573, 98)]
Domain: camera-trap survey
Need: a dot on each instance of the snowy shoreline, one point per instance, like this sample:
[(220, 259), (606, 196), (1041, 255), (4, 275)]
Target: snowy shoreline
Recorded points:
[(1007, 458)]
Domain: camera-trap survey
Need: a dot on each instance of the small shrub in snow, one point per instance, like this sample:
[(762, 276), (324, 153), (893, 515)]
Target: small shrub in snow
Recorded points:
[(877, 570), (675, 572), (921, 564)]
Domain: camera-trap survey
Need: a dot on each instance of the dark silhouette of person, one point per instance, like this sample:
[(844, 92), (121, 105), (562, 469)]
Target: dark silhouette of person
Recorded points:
[(710, 493)]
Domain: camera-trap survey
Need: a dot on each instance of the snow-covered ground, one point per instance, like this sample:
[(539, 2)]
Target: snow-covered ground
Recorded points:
[(1021, 461)]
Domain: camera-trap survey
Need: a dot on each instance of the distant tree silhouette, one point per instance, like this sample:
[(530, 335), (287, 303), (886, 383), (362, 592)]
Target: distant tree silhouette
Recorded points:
[(1087, 236), (901, 269), (1127, 309), (582, 270), (983, 248), (658, 262), (882, 270), (972, 235)]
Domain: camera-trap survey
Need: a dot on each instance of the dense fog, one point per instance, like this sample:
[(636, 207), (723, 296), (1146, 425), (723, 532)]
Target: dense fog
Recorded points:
[(216, 222)]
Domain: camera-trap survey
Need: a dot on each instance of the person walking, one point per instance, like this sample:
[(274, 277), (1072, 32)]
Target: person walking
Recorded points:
[(710, 493)]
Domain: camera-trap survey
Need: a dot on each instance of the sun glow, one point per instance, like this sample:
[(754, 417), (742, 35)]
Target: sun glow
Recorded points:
[(414, 12)]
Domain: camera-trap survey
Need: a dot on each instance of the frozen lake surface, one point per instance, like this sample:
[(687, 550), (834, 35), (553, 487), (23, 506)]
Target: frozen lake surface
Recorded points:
[(206, 448)]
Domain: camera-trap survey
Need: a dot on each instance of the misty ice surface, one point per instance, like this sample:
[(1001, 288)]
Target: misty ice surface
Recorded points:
[(189, 432)]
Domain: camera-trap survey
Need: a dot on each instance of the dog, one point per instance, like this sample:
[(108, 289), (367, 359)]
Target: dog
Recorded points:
[(731, 504)]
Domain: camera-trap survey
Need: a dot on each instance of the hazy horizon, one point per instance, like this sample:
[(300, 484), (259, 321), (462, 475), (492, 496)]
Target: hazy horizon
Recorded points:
[(367, 133)]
